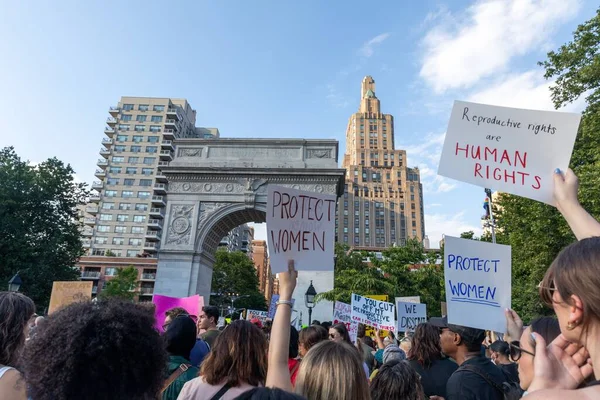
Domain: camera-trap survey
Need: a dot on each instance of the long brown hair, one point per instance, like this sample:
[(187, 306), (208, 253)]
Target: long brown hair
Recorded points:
[(15, 311), (332, 371), (239, 355), (425, 345), (575, 272), (311, 335)]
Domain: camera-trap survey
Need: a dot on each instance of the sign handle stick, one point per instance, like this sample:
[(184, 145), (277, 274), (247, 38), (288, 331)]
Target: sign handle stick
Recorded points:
[(492, 222)]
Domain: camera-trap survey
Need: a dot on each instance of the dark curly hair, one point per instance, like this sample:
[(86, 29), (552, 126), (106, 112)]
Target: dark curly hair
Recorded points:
[(96, 351), (425, 345), (397, 380), (15, 311)]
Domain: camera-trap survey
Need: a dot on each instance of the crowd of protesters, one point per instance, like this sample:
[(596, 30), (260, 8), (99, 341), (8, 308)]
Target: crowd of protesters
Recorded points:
[(110, 349)]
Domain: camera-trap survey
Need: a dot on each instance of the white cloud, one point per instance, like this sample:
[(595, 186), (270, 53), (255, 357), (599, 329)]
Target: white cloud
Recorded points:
[(437, 225), (481, 42), (335, 97), (368, 48)]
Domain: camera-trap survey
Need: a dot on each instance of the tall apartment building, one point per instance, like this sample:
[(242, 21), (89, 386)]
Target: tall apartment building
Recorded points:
[(263, 267), (383, 198), (125, 217)]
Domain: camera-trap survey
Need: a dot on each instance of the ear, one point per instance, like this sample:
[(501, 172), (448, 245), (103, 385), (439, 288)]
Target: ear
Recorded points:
[(575, 310), (457, 339)]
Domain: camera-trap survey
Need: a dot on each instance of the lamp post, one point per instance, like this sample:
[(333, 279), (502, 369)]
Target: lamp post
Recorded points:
[(309, 300), (14, 284)]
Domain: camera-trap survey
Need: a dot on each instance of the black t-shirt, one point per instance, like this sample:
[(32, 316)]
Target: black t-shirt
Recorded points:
[(435, 377), (511, 371), (468, 385)]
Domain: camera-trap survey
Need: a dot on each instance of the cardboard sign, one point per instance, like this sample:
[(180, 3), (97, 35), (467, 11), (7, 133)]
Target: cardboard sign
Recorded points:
[(262, 316), (65, 293), (300, 227), (192, 305), (342, 314), (478, 283), (273, 305), (508, 149), (410, 315), (408, 299), (375, 313)]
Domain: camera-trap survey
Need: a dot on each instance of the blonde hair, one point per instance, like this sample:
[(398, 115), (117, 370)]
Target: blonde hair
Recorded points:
[(332, 371)]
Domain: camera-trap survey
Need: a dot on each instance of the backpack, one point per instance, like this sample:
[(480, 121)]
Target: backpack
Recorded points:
[(507, 390)]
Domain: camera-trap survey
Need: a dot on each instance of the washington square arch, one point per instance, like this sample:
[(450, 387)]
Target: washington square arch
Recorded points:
[(215, 185)]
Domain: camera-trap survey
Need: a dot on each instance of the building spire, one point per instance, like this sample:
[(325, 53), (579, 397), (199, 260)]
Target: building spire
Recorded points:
[(369, 103)]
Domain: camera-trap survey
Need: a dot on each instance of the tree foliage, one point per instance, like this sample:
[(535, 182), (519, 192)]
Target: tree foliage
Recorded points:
[(234, 276), (39, 228), (123, 285), (536, 231)]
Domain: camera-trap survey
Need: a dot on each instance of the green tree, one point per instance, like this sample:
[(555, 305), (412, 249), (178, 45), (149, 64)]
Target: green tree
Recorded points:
[(234, 278), (536, 231), (122, 285), (39, 226)]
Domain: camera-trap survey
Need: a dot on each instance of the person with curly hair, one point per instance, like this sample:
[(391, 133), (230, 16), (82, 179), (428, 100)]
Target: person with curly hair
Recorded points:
[(16, 310), (96, 351), (397, 380)]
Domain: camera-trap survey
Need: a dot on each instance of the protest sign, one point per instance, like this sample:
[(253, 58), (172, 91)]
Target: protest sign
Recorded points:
[(508, 149), (410, 315), (273, 305), (262, 316), (300, 227), (444, 308), (370, 331), (371, 312), (65, 293), (408, 299), (342, 314), (478, 283), (192, 305)]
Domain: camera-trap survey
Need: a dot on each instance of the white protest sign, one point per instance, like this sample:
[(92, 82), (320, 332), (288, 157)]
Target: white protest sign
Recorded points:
[(273, 306), (508, 149), (300, 227), (375, 313), (410, 314), (262, 316), (408, 299), (342, 314), (478, 283)]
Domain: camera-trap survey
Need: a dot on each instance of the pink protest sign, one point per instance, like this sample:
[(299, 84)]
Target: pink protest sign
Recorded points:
[(192, 305)]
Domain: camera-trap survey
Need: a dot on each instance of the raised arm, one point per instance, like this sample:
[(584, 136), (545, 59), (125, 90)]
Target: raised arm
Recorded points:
[(581, 222), (278, 374)]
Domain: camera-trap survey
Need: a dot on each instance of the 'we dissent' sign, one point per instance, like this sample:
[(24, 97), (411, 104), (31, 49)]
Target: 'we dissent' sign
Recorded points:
[(508, 149), (300, 227)]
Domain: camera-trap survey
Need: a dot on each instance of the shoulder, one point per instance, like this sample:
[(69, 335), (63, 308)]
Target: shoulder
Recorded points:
[(12, 385)]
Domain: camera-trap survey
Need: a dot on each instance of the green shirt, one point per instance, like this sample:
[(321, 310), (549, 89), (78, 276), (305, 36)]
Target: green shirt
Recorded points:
[(174, 388), (210, 337)]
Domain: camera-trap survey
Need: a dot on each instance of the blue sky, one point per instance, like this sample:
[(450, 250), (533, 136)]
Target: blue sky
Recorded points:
[(277, 69)]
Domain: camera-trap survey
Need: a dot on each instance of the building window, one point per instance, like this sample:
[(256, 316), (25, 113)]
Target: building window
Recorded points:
[(131, 170), (158, 108), (412, 197), (135, 242), (138, 138), (110, 193), (143, 107), (118, 159), (120, 148), (140, 128), (133, 160), (122, 218), (345, 238), (114, 170), (101, 240), (139, 218), (143, 195), (151, 149), (122, 138), (128, 182), (414, 224), (127, 193), (112, 181), (126, 117), (156, 118), (124, 206), (149, 160), (141, 118), (108, 206), (106, 217), (141, 207), (136, 149), (110, 271), (127, 107), (132, 253), (137, 229), (154, 128), (123, 127), (118, 240), (145, 182), (147, 171), (356, 230), (153, 139), (120, 229), (356, 240), (103, 228)]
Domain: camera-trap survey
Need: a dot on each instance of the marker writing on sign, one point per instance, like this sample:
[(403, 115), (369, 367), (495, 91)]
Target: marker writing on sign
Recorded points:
[(507, 123), (473, 293), (286, 240), (287, 206)]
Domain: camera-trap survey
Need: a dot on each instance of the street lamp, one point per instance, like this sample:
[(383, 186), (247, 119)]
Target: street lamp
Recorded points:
[(15, 283), (309, 300)]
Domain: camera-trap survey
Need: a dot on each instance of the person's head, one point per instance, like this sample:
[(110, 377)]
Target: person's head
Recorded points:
[(239, 355), (367, 341), (571, 285), (262, 393), (326, 325), (208, 318), (500, 352), (294, 339), (522, 352), (316, 322), (458, 340), (397, 380), (173, 313), (180, 336), (309, 337), (393, 352), (102, 350), (361, 331), (339, 333), (16, 310), (425, 348), (405, 344), (39, 321), (332, 371)]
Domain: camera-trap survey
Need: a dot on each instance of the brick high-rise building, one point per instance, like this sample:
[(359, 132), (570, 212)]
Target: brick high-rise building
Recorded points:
[(383, 200), (261, 263)]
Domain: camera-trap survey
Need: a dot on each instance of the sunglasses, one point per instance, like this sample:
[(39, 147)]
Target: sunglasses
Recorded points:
[(516, 351)]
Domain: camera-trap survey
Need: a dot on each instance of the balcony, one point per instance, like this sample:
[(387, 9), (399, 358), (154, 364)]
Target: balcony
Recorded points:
[(114, 111), (107, 142), (155, 223), (159, 200), (160, 177), (100, 173), (167, 145), (160, 188), (169, 134), (150, 247), (90, 275), (172, 112), (152, 236), (111, 121), (95, 198), (91, 210), (148, 277), (94, 289), (87, 233), (97, 185), (146, 291), (89, 221), (172, 124), (109, 131), (102, 163), (86, 243), (166, 155), (157, 212), (104, 152)]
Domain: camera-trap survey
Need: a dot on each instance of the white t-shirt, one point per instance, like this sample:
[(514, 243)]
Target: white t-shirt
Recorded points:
[(198, 389)]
